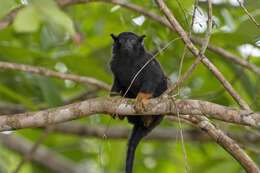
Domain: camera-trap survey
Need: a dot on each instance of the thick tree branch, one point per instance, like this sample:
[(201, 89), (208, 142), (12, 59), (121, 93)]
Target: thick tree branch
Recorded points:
[(51, 73), (123, 106), (44, 156)]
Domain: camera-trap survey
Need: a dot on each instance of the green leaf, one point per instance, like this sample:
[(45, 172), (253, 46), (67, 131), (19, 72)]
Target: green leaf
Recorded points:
[(17, 97), (27, 20), (5, 6), (49, 91), (248, 30), (51, 13)]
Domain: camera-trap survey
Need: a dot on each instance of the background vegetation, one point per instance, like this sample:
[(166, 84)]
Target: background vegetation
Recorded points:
[(41, 36)]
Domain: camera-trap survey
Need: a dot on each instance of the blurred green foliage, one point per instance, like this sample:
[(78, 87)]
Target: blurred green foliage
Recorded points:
[(41, 36)]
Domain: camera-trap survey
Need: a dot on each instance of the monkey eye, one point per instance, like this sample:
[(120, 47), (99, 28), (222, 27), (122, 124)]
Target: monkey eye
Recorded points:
[(131, 40), (121, 41)]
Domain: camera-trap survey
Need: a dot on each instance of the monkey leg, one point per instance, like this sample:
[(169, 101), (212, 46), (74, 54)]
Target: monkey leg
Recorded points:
[(140, 102)]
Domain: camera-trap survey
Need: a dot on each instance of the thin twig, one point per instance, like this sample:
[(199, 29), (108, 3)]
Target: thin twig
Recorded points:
[(182, 78), (249, 15), (179, 76), (9, 18), (251, 149), (182, 138), (51, 73), (255, 99), (83, 96), (202, 51)]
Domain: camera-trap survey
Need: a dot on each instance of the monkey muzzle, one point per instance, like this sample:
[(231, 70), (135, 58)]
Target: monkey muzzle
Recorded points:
[(127, 48)]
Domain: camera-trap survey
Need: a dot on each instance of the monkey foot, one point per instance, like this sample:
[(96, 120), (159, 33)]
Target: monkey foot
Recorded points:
[(113, 116), (120, 117), (140, 101), (147, 121)]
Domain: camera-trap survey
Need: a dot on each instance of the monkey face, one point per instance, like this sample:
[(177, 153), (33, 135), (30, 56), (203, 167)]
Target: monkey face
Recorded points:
[(128, 43)]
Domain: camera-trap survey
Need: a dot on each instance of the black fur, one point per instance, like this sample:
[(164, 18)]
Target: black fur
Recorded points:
[(128, 58)]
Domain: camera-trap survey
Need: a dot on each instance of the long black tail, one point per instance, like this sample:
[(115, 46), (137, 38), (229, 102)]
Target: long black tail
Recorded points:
[(137, 134), (139, 131)]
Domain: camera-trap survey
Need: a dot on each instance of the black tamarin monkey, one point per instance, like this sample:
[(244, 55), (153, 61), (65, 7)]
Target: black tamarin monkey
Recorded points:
[(129, 56)]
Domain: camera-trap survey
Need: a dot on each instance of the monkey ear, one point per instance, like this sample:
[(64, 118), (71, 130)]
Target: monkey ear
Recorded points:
[(114, 37), (141, 38)]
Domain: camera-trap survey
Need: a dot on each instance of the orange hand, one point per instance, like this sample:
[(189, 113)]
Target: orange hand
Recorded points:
[(140, 101)]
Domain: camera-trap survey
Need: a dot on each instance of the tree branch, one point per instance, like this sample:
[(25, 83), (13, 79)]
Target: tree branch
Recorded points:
[(161, 134), (51, 73), (8, 108), (9, 18), (123, 106), (229, 56), (227, 143), (249, 15)]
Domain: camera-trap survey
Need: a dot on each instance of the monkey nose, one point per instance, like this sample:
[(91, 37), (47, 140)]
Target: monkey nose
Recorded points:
[(128, 46)]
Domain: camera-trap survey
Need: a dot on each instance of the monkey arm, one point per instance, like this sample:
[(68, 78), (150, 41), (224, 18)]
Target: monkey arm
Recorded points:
[(115, 91)]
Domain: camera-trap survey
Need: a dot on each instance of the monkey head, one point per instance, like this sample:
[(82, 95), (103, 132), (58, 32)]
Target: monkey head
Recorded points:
[(128, 43)]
